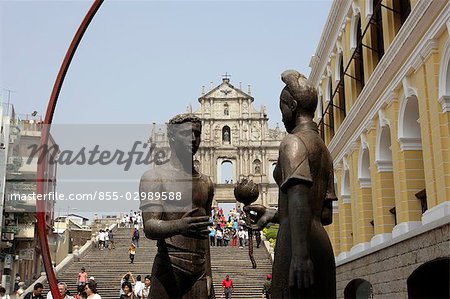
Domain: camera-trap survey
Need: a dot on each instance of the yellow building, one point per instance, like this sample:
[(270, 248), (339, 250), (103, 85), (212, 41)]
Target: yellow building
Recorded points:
[(382, 69)]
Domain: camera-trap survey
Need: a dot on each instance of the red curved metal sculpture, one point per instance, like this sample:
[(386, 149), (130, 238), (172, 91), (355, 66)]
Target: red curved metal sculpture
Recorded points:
[(40, 181)]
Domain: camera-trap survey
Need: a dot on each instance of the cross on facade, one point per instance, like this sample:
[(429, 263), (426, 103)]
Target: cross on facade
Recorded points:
[(226, 76)]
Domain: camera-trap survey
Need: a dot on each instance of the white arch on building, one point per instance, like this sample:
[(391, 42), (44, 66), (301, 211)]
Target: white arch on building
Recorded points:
[(383, 151), (409, 135), (320, 104), (364, 177), (354, 29), (369, 8), (339, 58), (444, 77), (329, 89), (345, 185)]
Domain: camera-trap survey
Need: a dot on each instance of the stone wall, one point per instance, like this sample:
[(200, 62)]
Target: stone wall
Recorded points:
[(388, 269), (80, 237)]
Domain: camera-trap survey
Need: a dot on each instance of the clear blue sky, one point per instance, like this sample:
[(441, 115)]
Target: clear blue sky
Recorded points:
[(145, 61)]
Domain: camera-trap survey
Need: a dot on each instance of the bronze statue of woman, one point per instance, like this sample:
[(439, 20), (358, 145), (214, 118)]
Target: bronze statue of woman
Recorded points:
[(304, 265)]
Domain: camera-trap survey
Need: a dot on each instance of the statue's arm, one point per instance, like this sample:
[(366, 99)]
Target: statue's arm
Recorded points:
[(155, 228), (272, 215), (300, 218), (152, 213)]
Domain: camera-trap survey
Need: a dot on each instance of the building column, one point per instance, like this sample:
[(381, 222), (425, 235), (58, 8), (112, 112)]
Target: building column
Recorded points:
[(365, 210), (359, 203), (333, 230), (383, 195), (435, 137), (408, 176), (344, 219), (263, 162)]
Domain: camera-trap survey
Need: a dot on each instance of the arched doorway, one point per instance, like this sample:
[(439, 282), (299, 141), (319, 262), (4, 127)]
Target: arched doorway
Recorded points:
[(358, 289), (226, 172), (430, 280)]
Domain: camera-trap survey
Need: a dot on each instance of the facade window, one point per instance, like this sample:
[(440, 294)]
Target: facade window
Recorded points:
[(330, 112), (359, 61), (321, 121), (376, 23), (226, 135), (341, 91), (402, 9)]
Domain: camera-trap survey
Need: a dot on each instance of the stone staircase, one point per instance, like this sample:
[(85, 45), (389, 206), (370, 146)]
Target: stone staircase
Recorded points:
[(234, 261), (108, 266)]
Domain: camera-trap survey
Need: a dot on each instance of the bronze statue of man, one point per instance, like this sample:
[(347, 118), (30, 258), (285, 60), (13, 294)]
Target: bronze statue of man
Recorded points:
[(304, 265), (176, 203)]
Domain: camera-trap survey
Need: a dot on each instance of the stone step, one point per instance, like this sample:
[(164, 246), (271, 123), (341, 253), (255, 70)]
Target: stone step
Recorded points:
[(108, 266)]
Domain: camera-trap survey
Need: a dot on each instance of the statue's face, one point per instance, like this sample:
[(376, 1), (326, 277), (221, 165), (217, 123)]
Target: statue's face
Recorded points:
[(287, 111), (187, 138)]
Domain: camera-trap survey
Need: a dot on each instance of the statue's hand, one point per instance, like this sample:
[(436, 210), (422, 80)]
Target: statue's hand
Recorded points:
[(259, 215), (194, 226), (301, 273)]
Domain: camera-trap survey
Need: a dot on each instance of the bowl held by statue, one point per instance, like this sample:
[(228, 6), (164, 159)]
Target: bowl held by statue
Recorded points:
[(246, 192)]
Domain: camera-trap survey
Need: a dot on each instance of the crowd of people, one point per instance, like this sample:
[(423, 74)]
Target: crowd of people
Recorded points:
[(130, 288), (134, 288), (132, 219), (230, 231), (105, 239)]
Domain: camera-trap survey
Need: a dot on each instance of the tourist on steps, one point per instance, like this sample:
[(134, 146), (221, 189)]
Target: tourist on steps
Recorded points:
[(3, 294), (138, 287), (127, 277), (267, 294), (227, 287), (212, 236), (135, 237), (91, 290), (258, 238), (82, 277), (111, 240), (36, 293), (81, 292), (147, 286), (127, 291), (132, 252), (63, 291)]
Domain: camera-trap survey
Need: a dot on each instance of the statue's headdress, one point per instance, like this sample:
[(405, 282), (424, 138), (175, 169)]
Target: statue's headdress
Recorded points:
[(301, 90)]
